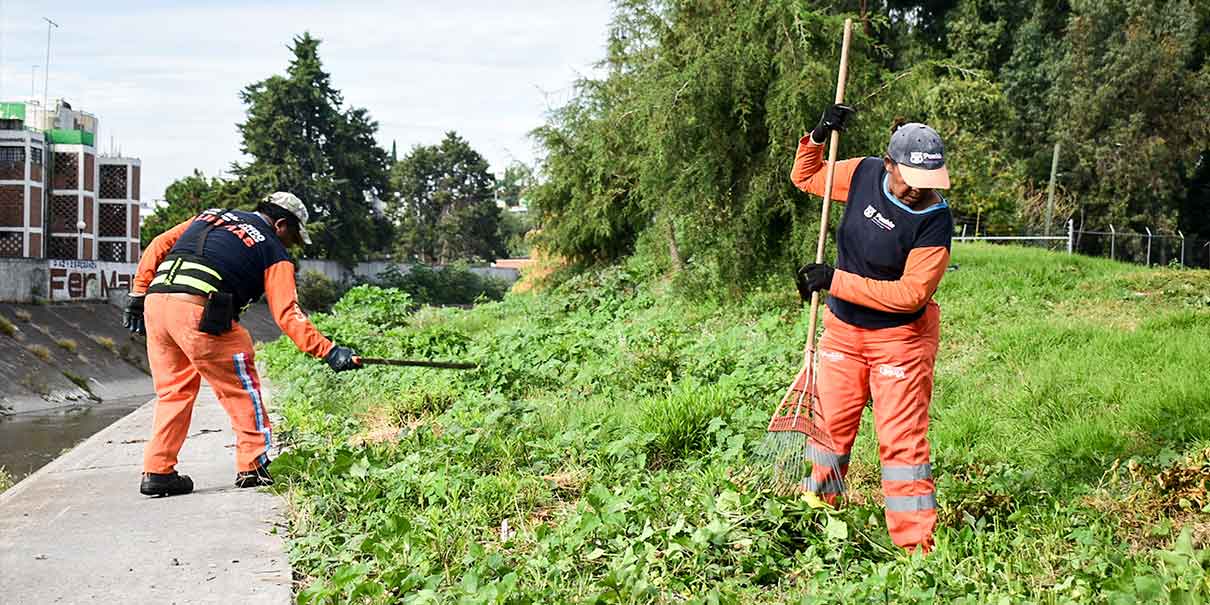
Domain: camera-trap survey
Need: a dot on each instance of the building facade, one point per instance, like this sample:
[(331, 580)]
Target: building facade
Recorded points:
[(60, 199)]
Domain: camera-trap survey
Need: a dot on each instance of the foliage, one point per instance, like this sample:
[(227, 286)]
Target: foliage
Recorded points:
[(318, 292), (302, 140), (450, 285), (513, 188), (689, 134), (187, 197), (1135, 107), (6, 480), (601, 451), (445, 208), (514, 232)]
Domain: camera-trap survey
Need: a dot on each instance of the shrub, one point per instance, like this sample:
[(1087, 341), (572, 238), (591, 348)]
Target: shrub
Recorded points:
[(317, 292), (451, 285), (383, 307)]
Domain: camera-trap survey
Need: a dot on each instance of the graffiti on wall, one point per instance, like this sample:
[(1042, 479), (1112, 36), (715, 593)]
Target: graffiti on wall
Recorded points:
[(88, 280)]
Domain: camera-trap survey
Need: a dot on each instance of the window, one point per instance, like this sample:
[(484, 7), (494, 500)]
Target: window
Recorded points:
[(35, 156), (10, 154)]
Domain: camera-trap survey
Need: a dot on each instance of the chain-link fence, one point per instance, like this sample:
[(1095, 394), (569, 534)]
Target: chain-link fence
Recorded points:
[(1151, 248)]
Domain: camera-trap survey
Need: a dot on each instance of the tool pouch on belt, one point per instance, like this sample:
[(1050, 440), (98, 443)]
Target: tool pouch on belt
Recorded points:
[(218, 314)]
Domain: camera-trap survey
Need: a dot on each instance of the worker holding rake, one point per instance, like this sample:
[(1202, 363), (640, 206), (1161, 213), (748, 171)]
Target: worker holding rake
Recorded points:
[(881, 323)]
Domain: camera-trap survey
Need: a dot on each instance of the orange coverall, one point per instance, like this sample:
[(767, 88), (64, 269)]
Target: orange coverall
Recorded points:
[(893, 364), (181, 356)]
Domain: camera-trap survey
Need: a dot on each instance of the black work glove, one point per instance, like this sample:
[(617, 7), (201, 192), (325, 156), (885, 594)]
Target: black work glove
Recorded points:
[(341, 359), (835, 117), (132, 315), (813, 278)]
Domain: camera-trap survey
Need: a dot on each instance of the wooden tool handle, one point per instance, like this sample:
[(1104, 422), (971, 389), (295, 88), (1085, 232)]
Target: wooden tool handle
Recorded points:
[(833, 149)]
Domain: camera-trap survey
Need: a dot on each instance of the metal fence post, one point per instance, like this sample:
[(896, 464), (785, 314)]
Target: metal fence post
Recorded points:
[(1113, 236), (1071, 235), (1178, 232), (1148, 245), (964, 231)]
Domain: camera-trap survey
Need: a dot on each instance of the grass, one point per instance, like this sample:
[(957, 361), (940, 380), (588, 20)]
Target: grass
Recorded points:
[(40, 352), (23, 315), (105, 342), (602, 452), (67, 344), (6, 480), (7, 328)]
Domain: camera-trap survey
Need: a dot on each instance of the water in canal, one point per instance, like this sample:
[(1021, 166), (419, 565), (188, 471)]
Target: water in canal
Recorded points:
[(29, 441)]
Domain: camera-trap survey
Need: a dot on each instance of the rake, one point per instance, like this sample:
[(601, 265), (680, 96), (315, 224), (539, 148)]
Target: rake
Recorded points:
[(796, 423)]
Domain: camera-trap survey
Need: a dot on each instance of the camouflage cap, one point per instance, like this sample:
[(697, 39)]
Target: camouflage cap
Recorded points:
[(291, 203)]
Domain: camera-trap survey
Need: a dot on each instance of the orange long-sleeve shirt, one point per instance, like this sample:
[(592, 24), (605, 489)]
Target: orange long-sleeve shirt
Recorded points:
[(243, 240), (890, 257)]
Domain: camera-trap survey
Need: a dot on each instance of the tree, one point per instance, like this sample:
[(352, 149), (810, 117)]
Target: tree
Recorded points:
[(444, 209), (187, 197), (515, 184), (1133, 103), (302, 140)]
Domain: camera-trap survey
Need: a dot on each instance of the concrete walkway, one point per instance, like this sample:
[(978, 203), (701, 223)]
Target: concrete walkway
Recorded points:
[(78, 531)]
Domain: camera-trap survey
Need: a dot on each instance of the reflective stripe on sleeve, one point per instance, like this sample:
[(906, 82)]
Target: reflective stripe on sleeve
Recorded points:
[(911, 472), (907, 504)]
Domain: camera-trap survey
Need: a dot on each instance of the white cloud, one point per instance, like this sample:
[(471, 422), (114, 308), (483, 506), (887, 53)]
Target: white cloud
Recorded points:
[(164, 78)]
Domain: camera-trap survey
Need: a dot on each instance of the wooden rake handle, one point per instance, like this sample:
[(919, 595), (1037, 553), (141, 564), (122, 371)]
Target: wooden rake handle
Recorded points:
[(824, 213)]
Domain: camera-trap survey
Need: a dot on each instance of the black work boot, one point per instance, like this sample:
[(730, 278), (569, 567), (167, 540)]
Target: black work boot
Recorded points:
[(170, 484), (255, 477)]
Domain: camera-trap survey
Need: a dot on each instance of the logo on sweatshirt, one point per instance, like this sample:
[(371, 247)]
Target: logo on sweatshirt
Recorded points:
[(876, 217), (892, 371)]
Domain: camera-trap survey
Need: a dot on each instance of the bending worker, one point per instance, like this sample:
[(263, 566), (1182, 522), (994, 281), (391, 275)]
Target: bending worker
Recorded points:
[(188, 288), (881, 323)]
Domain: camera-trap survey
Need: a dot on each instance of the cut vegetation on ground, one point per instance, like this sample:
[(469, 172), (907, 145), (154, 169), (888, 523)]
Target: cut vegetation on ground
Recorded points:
[(600, 453)]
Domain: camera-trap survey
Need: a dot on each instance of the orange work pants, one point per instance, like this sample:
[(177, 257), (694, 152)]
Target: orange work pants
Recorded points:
[(181, 356), (895, 366)]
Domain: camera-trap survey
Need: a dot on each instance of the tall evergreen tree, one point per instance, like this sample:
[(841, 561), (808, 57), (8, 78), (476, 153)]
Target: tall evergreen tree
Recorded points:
[(303, 140), (445, 210)]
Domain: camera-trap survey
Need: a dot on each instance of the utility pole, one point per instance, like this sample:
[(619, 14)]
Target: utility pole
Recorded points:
[(46, 73), (33, 76), (1050, 191)]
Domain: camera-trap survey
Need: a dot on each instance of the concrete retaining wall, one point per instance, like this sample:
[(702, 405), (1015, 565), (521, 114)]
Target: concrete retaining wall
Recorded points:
[(27, 280)]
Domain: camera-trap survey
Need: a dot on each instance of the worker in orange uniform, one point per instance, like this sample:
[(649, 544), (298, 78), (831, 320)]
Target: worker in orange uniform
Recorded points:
[(188, 289), (881, 323)]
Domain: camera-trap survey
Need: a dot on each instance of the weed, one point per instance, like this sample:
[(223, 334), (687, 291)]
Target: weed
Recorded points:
[(105, 342), (79, 381), (40, 352), (23, 315), (67, 344), (6, 480), (7, 328), (601, 452)]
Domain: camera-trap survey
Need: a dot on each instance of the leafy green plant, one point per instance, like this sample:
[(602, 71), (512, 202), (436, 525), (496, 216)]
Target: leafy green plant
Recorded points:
[(601, 451)]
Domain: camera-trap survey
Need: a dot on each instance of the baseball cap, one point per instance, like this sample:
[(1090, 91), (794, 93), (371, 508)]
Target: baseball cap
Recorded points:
[(291, 203), (918, 151)]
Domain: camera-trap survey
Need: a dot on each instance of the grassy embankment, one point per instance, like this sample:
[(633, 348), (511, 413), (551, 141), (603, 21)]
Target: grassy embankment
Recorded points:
[(599, 453)]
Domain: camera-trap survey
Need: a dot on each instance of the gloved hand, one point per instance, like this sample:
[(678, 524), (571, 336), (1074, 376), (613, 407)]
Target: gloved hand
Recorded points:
[(341, 359), (132, 315), (835, 117), (813, 278)]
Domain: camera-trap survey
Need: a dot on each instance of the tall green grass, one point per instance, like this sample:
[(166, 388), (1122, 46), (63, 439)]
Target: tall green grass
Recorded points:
[(602, 451)]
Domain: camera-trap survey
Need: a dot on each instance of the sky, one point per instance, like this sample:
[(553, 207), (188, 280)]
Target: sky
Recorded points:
[(163, 78)]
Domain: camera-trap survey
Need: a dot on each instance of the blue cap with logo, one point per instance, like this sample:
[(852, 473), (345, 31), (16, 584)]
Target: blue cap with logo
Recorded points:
[(918, 151)]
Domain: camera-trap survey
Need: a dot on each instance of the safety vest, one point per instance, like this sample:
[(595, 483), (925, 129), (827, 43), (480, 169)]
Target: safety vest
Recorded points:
[(190, 273)]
